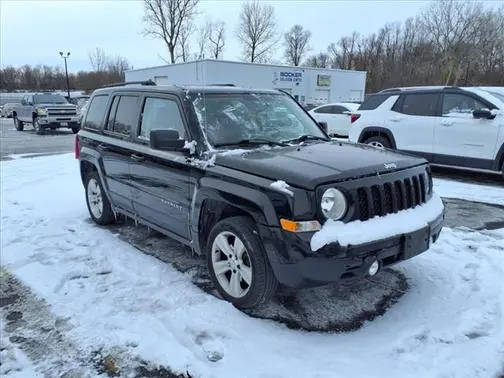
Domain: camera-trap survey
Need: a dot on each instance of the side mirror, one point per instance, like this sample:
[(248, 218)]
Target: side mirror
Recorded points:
[(482, 113), (168, 140), (323, 126)]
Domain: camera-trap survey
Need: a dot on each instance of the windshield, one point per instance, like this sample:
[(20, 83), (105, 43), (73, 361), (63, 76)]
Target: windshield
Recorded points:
[(49, 99), (229, 119)]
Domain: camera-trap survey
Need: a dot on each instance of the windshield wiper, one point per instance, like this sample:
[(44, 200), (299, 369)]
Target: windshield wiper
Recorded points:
[(303, 138), (254, 141)]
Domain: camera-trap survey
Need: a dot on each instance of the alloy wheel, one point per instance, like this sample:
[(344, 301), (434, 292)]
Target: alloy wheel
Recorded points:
[(95, 199), (231, 264), (376, 144)]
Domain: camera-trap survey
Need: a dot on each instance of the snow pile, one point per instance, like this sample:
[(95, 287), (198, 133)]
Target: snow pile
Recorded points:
[(377, 228), (282, 186), (191, 146), (449, 324)]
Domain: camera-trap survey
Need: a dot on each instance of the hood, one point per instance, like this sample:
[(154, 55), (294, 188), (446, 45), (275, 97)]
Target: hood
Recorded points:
[(62, 106), (307, 166)]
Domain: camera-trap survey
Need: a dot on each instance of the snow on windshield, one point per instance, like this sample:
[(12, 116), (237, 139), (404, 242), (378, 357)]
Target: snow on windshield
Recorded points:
[(227, 119)]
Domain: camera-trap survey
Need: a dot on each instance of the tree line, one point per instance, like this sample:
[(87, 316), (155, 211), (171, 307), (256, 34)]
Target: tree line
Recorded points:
[(105, 70), (450, 42)]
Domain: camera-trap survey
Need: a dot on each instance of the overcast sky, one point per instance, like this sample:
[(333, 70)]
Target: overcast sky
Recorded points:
[(32, 32)]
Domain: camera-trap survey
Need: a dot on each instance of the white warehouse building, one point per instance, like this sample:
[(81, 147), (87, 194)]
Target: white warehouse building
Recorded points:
[(310, 86)]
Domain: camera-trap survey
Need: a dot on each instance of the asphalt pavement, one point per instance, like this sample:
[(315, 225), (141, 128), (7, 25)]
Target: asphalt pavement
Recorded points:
[(13, 142)]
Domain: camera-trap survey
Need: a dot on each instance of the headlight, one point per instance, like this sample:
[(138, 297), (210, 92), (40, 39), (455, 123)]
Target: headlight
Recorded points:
[(333, 204), (42, 111)]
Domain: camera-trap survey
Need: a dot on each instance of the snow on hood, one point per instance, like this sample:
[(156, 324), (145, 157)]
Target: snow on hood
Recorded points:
[(378, 228)]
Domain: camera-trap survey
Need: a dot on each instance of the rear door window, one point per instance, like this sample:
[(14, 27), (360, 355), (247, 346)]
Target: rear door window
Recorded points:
[(323, 110), (126, 115), (160, 113), (420, 104), (96, 112), (373, 101)]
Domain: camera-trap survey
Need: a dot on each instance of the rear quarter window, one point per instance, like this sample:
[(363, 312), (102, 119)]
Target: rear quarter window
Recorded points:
[(96, 112), (373, 101)]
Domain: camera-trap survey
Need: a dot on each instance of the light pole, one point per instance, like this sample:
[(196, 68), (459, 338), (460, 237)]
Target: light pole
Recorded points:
[(65, 56)]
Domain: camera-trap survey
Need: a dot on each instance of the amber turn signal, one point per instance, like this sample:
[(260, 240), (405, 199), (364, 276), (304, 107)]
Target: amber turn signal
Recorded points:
[(305, 226)]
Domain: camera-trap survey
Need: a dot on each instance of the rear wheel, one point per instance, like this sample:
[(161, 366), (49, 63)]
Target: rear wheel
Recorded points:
[(17, 123), (378, 142), (36, 125), (97, 201), (238, 264)]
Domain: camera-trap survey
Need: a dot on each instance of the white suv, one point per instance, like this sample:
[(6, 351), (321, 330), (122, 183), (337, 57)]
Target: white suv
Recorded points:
[(446, 125)]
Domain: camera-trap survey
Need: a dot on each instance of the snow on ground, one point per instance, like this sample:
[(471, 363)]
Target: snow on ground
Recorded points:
[(469, 192), (450, 323)]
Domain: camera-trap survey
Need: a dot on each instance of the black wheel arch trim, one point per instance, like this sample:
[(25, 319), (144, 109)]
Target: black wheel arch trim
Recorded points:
[(380, 131), (93, 157)]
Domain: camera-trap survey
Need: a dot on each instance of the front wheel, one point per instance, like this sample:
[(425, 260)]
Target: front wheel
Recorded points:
[(18, 124), (238, 264), (378, 142), (36, 125), (97, 201)]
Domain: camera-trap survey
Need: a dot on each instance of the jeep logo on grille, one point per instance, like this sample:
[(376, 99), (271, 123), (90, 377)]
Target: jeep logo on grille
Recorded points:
[(390, 165)]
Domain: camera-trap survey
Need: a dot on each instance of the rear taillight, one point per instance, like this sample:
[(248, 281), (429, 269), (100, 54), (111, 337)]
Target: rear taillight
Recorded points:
[(77, 147), (354, 117)]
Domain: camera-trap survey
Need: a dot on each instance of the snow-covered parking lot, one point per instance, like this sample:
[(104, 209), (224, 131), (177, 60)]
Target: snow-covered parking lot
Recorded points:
[(79, 300)]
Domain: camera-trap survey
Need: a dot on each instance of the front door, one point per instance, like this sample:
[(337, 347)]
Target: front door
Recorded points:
[(116, 154), (412, 122), (160, 179), (461, 139)]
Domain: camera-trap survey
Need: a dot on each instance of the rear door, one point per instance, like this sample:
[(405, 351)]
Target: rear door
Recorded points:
[(461, 139), (116, 154), (161, 179), (412, 122)]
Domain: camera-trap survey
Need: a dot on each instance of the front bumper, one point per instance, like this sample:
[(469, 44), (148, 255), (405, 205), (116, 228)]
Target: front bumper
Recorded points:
[(334, 263), (61, 121)]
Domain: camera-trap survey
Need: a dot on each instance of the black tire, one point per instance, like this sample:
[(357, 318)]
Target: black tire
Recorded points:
[(378, 141), (263, 281), (502, 169), (36, 126), (18, 124), (75, 129), (107, 215)]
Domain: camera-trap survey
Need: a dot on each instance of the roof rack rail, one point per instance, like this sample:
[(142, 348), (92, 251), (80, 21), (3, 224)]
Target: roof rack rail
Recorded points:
[(142, 82), (222, 85)]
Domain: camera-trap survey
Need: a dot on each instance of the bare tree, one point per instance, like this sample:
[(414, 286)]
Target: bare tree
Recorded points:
[(165, 20), (451, 25), (257, 31), (98, 59), (183, 47), (320, 60), (296, 44), (203, 34), (216, 37)]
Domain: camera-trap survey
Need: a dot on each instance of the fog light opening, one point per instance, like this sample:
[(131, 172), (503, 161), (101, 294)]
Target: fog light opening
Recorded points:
[(374, 268)]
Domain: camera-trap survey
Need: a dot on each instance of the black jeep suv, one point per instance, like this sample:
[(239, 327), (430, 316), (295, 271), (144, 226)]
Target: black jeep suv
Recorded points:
[(249, 179)]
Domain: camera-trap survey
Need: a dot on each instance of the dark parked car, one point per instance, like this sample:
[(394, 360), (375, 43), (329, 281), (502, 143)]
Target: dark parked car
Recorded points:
[(249, 179), (46, 111)]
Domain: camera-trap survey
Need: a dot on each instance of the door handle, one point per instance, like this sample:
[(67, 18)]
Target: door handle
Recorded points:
[(137, 157), (396, 119), (102, 147)]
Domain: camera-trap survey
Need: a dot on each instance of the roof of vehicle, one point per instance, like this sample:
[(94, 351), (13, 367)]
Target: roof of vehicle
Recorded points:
[(348, 104), (186, 89), (418, 89)]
